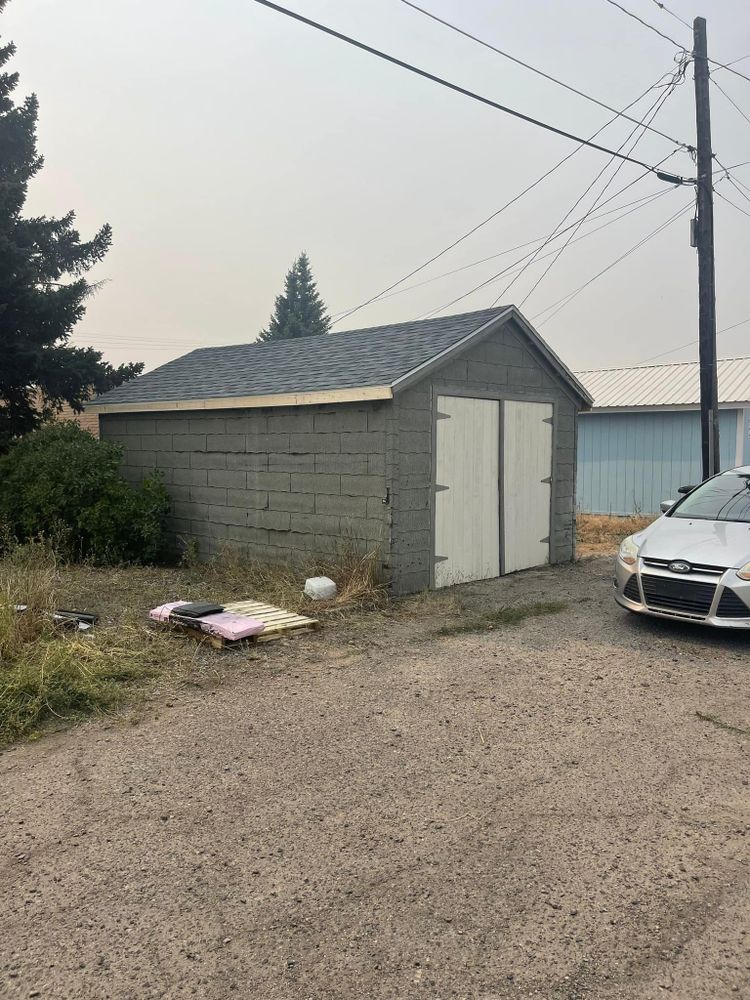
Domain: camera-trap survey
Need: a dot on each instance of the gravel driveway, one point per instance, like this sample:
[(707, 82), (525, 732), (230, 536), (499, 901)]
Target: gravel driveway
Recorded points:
[(378, 812)]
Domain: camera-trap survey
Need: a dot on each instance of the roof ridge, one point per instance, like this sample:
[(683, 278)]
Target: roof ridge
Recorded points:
[(360, 329)]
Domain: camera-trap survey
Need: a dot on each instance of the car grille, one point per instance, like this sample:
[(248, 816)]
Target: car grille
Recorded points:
[(631, 590), (732, 606), (695, 567), (684, 596)]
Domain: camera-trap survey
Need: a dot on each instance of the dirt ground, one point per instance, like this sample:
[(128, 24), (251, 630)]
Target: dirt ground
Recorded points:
[(379, 812)]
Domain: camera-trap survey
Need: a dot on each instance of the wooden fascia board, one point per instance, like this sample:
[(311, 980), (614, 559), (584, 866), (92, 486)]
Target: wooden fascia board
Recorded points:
[(358, 395)]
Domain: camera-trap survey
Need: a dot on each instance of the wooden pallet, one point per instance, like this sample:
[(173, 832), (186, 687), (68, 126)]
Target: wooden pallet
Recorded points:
[(277, 621)]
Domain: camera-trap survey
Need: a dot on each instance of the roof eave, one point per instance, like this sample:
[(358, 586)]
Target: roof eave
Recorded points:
[(665, 407)]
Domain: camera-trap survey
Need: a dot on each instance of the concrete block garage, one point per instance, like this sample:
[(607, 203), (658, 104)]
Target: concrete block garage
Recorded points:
[(446, 444)]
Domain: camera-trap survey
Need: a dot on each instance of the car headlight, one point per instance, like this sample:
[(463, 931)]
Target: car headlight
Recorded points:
[(744, 572), (628, 553)]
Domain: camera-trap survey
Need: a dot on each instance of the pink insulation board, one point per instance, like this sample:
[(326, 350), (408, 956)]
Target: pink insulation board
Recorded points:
[(224, 624)]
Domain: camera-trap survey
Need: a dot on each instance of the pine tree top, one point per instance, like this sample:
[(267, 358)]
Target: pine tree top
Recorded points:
[(299, 311)]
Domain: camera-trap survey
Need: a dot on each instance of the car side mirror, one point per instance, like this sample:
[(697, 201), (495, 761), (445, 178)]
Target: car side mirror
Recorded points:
[(666, 505), (685, 489)]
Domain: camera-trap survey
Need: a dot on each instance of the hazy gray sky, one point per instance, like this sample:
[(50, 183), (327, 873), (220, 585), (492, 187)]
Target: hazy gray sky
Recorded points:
[(219, 139)]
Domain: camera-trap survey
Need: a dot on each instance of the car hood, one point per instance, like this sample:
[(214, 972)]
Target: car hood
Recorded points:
[(716, 543)]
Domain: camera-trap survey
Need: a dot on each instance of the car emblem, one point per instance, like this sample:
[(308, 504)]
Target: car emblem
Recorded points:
[(679, 567)]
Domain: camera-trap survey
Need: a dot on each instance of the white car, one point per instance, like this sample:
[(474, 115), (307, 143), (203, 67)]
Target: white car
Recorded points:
[(693, 563)]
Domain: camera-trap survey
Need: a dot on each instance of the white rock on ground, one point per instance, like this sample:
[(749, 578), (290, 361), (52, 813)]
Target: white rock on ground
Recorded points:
[(320, 588)]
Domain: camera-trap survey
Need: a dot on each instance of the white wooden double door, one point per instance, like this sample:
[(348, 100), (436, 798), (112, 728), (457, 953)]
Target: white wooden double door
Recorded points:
[(493, 476)]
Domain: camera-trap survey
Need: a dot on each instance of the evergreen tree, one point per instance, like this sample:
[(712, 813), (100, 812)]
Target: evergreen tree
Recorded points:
[(299, 311), (42, 286)]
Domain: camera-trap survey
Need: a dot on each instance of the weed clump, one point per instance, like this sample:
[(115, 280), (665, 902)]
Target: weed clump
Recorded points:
[(503, 617), (234, 576), (47, 671)]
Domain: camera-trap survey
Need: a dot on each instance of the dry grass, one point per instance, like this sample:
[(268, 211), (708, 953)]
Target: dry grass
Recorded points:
[(601, 534), (112, 591), (355, 574), (27, 577), (428, 603), (49, 673)]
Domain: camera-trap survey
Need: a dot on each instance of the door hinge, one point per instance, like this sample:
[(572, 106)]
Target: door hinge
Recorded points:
[(442, 416), (439, 489)]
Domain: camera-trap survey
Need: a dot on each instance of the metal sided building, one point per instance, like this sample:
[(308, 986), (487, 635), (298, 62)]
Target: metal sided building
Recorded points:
[(447, 445), (642, 439)]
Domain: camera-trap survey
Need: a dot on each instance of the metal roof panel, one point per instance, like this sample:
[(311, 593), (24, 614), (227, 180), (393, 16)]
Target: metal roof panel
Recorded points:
[(675, 384)]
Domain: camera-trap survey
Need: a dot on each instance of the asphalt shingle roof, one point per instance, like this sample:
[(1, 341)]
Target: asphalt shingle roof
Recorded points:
[(354, 359)]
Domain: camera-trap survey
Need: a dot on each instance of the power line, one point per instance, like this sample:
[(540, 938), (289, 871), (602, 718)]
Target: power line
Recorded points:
[(737, 188), (735, 182), (654, 110), (379, 295), (464, 91), (727, 200), (714, 62), (645, 24), (338, 317), (566, 299), (691, 343), (520, 262), (730, 99), (140, 344), (500, 274), (561, 249), (728, 68), (638, 203), (671, 13), (539, 72)]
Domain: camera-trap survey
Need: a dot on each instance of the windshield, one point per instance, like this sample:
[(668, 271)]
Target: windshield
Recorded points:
[(724, 498)]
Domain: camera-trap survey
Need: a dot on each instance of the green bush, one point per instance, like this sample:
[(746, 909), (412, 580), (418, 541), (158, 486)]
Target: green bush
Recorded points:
[(61, 484)]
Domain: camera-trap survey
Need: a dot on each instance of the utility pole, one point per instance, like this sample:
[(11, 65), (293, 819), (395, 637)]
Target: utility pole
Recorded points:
[(705, 243)]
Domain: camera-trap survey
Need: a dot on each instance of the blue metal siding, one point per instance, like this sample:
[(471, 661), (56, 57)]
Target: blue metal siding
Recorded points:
[(629, 462)]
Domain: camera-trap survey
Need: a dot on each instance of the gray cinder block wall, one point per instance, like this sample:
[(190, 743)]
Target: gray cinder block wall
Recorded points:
[(272, 482), (282, 483)]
